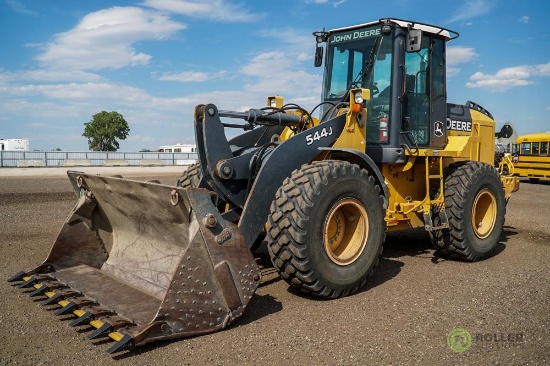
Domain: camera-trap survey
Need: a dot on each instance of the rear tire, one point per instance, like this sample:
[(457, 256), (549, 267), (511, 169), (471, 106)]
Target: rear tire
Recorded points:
[(326, 228), (475, 207)]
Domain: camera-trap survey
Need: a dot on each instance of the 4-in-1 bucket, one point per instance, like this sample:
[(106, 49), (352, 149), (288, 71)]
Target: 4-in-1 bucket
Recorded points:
[(142, 261)]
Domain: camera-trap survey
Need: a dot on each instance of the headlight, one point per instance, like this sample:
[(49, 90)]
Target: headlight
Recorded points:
[(358, 97)]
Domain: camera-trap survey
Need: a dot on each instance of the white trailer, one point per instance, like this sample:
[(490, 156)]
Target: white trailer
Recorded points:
[(14, 145), (184, 148)]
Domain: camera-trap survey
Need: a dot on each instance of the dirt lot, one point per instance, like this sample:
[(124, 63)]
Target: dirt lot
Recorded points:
[(403, 316)]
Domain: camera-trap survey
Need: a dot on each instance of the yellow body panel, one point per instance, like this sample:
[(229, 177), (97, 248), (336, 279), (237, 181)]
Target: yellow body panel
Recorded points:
[(485, 132), (354, 134), (412, 185), (277, 102), (411, 188), (477, 144)]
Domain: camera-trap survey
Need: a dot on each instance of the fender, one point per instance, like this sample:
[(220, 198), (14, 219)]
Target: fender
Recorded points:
[(288, 156), (364, 161)]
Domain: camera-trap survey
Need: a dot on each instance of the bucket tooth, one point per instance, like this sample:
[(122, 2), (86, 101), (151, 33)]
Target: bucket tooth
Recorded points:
[(104, 328), (102, 331), (68, 308), (83, 319), (89, 312), (17, 277), (28, 282), (125, 343), (59, 297), (47, 286), (53, 299), (41, 290)]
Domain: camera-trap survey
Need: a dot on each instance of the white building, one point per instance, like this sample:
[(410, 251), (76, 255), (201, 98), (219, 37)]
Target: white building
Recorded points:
[(14, 145)]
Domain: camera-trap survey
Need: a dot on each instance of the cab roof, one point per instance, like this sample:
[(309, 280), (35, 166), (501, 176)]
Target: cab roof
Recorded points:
[(428, 28)]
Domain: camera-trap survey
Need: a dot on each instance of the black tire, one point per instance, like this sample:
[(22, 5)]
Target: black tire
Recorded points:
[(475, 207), (317, 199), (192, 177), (534, 180)]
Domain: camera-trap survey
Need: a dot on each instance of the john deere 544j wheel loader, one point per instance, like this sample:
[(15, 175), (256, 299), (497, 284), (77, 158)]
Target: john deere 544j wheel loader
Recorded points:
[(142, 261)]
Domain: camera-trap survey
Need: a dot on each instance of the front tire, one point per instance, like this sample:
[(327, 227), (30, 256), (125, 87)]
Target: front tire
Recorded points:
[(326, 228), (192, 177), (475, 207)]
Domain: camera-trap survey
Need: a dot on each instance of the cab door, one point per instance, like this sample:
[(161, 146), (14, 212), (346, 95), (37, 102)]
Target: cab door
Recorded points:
[(424, 99)]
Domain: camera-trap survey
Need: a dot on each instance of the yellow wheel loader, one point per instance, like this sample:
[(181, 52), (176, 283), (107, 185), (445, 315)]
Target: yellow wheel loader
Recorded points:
[(141, 261)]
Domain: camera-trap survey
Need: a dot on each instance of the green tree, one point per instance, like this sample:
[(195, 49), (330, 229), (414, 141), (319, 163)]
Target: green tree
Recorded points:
[(104, 129)]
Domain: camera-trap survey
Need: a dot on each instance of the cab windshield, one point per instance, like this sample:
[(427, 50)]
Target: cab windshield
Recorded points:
[(358, 58)]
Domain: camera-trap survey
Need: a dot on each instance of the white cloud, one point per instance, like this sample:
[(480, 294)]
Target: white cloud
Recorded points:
[(40, 109), (524, 19), (87, 93), (289, 77), (219, 10), (49, 76), (104, 39), (458, 55), (452, 71), (334, 3), (297, 39), (19, 7), (472, 9), (509, 77), (194, 76)]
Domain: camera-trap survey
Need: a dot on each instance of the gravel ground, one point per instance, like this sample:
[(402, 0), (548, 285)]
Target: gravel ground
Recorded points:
[(403, 316)]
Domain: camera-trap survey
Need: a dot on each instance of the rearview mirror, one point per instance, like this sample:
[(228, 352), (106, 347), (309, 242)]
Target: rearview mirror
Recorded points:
[(318, 56), (414, 40)]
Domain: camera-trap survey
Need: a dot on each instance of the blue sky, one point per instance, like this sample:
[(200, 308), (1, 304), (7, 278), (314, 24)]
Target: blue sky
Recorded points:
[(154, 60)]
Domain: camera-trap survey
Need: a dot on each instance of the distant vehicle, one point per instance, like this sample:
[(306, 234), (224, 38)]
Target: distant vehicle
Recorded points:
[(185, 148), (531, 157), (503, 141), (14, 145)]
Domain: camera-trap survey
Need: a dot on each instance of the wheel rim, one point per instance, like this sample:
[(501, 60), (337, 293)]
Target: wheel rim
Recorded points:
[(484, 212), (346, 231)]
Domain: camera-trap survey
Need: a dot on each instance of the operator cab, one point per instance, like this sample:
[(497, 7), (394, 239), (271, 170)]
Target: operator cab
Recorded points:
[(402, 63)]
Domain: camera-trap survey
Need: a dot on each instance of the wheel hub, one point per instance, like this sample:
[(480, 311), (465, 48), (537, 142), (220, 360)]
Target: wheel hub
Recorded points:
[(346, 231), (484, 213)]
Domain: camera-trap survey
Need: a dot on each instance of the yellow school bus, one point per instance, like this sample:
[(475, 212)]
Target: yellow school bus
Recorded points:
[(531, 156)]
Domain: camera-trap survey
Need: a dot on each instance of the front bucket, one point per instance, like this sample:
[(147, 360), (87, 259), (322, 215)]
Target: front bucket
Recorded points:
[(141, 261)]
